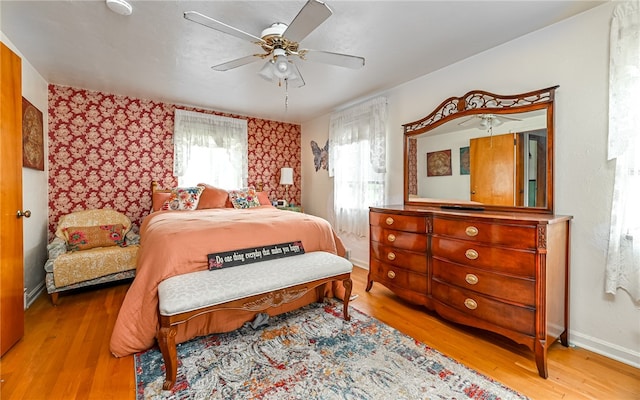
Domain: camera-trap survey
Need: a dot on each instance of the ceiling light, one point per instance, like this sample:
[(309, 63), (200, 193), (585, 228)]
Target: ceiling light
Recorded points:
[(280, 68), (120, 7)]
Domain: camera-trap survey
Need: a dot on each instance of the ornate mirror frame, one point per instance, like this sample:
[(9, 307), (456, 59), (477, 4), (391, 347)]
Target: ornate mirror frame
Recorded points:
[(481, 102)]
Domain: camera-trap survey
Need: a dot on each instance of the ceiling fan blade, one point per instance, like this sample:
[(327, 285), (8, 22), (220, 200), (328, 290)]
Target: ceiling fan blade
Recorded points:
[(466, 121), (295, 78), (506, 118), (235, 63), (221, 26), (309, 18), (326, 57)]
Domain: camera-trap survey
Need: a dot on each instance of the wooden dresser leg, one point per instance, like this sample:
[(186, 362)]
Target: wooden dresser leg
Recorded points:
[(540, 351), (348, 284), (564, 338), (167, 342), (369, 286)]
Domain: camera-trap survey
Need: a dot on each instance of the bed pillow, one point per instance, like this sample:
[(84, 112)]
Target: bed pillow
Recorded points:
[(263, 198), (89, 237), (183, 198), (158, 199), (244, 198), (212, 197)]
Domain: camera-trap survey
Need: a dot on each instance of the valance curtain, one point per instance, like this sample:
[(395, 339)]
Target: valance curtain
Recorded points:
[(357, 163), (211, 149), (623, 256)]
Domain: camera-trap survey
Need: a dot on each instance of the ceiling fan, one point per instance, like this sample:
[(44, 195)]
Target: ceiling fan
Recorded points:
[(281, 44), (486, 121)]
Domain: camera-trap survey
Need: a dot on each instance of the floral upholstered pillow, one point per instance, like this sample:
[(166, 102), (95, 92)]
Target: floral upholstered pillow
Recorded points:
[(244, 198), (89, 237), (186, 198)]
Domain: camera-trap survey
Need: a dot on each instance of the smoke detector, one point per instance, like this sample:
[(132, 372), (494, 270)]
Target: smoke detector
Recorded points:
[(120, 7)]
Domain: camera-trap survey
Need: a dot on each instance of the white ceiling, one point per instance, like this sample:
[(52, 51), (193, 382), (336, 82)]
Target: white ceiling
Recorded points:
[(157, 54)]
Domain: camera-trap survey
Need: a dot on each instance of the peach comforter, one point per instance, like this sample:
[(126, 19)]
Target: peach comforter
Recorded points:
[(177, 242)]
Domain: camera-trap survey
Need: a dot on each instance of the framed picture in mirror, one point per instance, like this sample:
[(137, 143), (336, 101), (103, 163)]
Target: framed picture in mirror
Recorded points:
[(439, 163)]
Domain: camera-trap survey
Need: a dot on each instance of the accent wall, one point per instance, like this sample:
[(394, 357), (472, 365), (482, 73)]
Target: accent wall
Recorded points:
[(106, 149)]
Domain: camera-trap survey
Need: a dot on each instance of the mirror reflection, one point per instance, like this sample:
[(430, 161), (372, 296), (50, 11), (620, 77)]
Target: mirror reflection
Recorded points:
[(484, 158), (489, 156)]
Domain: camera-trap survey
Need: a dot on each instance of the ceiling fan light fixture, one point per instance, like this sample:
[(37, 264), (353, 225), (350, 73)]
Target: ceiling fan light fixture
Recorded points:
[(266, 72), (280, 64), (281, 67)]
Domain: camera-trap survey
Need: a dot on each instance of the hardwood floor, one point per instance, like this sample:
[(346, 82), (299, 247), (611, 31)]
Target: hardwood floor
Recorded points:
[(65, 351)]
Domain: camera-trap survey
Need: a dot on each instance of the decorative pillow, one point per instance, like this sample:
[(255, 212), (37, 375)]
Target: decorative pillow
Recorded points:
[(212, 197), (89, 237), (158, 199), (263, 198), (244, 198), (186, 198)]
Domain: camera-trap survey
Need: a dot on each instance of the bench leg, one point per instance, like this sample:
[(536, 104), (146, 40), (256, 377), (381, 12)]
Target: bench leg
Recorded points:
[(167, 342), (347, 295)]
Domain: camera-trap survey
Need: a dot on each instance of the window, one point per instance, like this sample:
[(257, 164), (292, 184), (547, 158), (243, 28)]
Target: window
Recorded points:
[(210, 149), (623, 256), (357, 152)]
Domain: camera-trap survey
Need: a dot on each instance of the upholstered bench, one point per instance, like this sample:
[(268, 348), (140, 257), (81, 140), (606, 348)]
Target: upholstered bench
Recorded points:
[(253, 287)]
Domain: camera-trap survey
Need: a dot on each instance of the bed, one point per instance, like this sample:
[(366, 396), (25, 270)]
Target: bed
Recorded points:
[(177, 242)]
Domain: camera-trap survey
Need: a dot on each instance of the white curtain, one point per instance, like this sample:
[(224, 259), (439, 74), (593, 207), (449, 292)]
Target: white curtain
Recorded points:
[(210, 149), (623, 256), (357, 163)]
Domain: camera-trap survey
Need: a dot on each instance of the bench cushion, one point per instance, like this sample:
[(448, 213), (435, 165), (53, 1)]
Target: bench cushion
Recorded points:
[(192, 291)]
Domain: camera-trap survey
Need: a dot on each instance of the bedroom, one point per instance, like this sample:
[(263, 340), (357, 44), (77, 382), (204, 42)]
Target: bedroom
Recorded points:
[(572, 54)]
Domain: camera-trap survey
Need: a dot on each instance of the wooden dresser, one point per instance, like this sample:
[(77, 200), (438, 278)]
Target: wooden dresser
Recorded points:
[(504, 272)]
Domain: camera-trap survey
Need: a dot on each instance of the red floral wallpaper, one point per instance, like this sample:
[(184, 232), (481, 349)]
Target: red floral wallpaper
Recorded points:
[(413, 166), (105, 149)]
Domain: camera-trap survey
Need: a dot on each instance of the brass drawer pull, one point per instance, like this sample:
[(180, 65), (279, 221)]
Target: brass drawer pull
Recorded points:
[(391, 237), (391, 274), (391, 256), (471, 254), (470, 304), (389, 221), (471, 231), (471, 279)]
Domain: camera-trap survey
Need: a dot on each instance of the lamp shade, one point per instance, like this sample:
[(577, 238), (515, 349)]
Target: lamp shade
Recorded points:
[(286, 176)]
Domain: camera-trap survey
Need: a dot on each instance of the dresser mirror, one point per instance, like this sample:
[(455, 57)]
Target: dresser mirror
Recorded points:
[(483, 151)]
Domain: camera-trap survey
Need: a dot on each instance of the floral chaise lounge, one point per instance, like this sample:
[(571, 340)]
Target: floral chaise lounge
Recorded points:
[(91, 247)]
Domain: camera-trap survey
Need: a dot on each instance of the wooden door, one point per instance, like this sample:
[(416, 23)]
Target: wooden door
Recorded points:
[(492, 167), (11, 250)]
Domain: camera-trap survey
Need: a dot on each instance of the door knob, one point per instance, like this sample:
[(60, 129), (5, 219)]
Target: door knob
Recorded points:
[(25, 213)]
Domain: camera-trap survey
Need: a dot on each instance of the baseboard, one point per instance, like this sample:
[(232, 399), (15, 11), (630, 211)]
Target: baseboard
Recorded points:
[(360, 263), (609, 350), (33, 294)]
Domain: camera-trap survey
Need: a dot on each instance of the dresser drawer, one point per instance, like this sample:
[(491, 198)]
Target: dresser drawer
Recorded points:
[(398, 222), (516, 236), (396, 276), (520, 319), (400, 239), (511, 289), (415, 262), (497, 259)]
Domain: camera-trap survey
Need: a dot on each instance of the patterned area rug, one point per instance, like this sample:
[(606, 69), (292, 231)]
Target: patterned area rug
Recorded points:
[(312, 353)]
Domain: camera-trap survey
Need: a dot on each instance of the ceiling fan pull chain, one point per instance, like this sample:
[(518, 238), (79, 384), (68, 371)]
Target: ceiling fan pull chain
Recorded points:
[(286, 95)]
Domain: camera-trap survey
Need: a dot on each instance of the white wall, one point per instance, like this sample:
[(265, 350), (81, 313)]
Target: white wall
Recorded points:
[(572, 54), (34, 186)]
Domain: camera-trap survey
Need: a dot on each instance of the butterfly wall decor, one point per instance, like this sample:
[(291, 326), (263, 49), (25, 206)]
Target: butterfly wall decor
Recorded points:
[(320, 155)]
